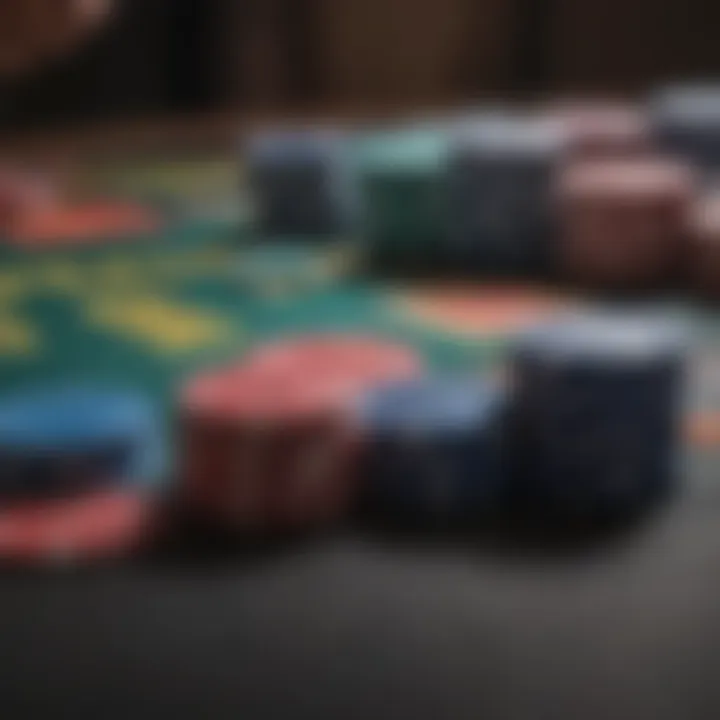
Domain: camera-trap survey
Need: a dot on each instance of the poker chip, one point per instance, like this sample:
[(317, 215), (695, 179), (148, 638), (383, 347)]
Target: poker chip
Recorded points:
[(240, 393), (623, 223), (686, 122), (595, 129), (264, 453), (341, 366), (301, 182), (400, 176), (88, 527), (704, 259), (602, 337), (268, 445), (56, 440), (499, 212), (432, 447), (596, 412)]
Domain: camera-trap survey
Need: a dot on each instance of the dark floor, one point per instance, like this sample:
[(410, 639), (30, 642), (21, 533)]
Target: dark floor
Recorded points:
[(358, 627)]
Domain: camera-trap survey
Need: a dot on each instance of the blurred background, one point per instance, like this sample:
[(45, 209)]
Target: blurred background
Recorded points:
[(161, 57)]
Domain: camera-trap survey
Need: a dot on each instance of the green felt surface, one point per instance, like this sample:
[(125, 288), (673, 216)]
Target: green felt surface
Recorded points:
[(149, 313)]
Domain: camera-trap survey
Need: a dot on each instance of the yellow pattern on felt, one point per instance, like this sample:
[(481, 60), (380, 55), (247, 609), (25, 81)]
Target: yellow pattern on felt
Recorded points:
[(17, 337), (145, 275), (189, 179), (164, 326), (15, 284), (63, 276), (120, 273), (193, 264)]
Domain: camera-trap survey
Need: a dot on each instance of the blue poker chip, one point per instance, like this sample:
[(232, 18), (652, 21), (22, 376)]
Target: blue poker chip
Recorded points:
[(510, 135), (57, 439), (498, 180), (686, 121), (433, 447), (695, 105), (280, 145), (430, 407), (301, 182)]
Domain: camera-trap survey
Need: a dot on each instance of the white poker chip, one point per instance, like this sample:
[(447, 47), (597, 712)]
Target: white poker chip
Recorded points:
[(618, 335), (692, 104)]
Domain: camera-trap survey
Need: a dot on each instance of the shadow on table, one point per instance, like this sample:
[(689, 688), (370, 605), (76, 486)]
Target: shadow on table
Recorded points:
[(504, 535)]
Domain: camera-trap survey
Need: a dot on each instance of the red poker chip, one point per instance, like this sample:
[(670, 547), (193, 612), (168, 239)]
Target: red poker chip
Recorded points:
[(92, 527), (624, 222), (602, 129), (626, 179), (269, 444), (240, 393), (266, 447), (337, 366), (238, 429), (704, 251), (705, 218), (268, 478)]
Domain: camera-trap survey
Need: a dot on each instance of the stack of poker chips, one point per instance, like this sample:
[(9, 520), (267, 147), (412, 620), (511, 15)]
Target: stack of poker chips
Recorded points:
[(270, 445), (400, 174), (77, 467), (433, 447), (263, 454), (294, 435), (686, 122), (623, 223), (301, 182), (471, 192), (498, 181), (595, 413)]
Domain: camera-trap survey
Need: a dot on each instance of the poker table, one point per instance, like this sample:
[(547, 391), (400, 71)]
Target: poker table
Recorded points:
[(361, 621)]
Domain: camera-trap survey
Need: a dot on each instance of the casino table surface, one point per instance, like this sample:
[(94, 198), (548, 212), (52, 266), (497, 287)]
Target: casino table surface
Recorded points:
[(362, 621)]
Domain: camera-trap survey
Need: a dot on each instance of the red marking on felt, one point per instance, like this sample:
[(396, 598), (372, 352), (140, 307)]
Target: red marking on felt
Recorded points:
[(84, 224), (482, 310), (702, 429), (23, 194)]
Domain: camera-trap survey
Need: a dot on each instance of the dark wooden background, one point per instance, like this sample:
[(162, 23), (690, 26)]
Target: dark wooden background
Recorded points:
[(161, 56)]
